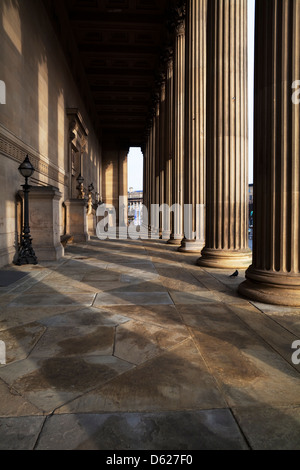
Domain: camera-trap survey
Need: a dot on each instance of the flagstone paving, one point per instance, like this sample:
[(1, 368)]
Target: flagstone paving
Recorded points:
[(130, 345)]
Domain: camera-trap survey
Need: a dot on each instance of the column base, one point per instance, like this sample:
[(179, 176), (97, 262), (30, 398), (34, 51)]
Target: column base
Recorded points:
[(154, 234), (225, 259), (191, 246), (174, 241), (271, 287), (166, 235)]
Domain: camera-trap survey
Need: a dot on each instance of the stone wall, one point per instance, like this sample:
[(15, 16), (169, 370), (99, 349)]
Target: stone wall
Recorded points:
[(34, 121)]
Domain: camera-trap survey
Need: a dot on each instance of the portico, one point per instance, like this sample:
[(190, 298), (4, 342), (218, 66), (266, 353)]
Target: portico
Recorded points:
[(172, 79), (157, 328)]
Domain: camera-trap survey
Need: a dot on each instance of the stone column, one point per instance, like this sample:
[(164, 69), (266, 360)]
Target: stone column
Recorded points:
[(227, 137), (122, 216), (150, 173), (195, 130), (178, 135), (145, 177), (274, 276), (162, 136), (169, 142), (148, 169), (157, 164), (145, 188), (154, 182)]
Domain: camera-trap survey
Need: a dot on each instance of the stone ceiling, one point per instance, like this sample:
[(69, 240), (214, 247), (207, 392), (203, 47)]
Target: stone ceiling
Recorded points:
[(114, 48)]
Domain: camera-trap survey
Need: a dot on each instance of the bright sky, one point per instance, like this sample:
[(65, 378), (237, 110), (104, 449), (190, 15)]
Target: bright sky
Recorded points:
[(135, 157), (135, 169)]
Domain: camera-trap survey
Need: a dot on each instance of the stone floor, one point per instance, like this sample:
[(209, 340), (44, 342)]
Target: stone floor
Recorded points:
[(129, 345)]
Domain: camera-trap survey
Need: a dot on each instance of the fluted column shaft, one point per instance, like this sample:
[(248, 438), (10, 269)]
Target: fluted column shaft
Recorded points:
[(274, 276), (195, 130), (147, 180), (145, 175), (178, 135), (151, 171), (162, 159), (156, 162), (169, 143), (227, 137)]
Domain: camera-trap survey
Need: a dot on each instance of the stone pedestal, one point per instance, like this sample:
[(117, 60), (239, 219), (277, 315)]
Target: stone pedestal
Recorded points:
[(76, 220), (274, 276), (44, 221), (226, 244), (91, 223)]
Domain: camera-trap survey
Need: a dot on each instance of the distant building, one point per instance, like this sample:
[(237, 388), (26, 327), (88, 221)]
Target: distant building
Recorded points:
[(135, 206), (135, 196)]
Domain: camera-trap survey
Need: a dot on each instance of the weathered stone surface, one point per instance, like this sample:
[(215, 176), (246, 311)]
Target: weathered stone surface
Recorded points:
[(20, 433), (13, 404), (247, 369), (54, 299), (101, 275), (276, 428), (162, 315), (179, 279), (272, 329), (131, 284), (194, 297), (21, 340), (14, 316), (137, 342), (50, 382), (76, 341), (183, 431), (85, 317), (177, 379), (132, 298)]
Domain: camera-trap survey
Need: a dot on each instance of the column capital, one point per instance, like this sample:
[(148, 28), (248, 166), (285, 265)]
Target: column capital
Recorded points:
[(176, 16), (180, 27)]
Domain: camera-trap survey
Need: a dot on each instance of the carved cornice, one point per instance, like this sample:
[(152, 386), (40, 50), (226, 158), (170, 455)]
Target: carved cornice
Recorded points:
[(76, 123), (180, 27), (13, 148), (78, 132)]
